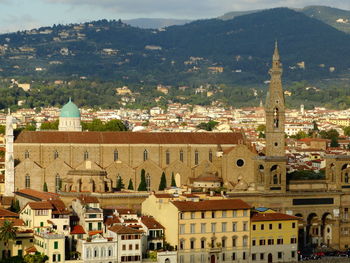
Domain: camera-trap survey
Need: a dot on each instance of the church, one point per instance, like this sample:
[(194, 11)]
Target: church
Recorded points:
[(72, 161)]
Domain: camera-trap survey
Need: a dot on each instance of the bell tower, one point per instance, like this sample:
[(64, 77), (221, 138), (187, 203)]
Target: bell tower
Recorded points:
[(271, 168), (275, 110)]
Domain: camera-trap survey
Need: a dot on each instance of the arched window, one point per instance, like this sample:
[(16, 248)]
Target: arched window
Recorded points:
[(27, 181), (86, 155), (210, 156), (145, 155), (88, 253), (196, 157), (167, 157), (181, 155), (275, 179), (148, 182), (26, 154), (115, 155), (57, 183), (234, 241), (245, 241), (275, 118), (96, 254), (110, 251), (103, 252), (55, 154)]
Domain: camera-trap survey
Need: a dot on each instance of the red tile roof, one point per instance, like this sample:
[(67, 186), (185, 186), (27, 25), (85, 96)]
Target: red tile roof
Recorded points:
[(16, 221), (59, 208), (7, 213), (211, 205), (128, 137), (151, 223), (95, 232), (44, 205), (112, 220), (31, 249), (87, 199), (39, 196), (77, 229), (120, 229), (272, 217)]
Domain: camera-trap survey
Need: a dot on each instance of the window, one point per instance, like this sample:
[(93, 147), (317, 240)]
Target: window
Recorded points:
[(145, 155), (213, 227), (223, 242), (192, 244), (262, 242), (196, 157), (130, 246), (54, 257), (181, 155), (253, 256), (245, 212), (223, 256), (210, 156), (202, 243), (245, 226), (86, 155), (182, 229), (203, 227), (245, 241), (293, 225), (254, 227), (293, 254), (293, 240), (193, 215), (262, 226), (55, 245), (234, 241), (279, 241), (57, 183), (253, 242), (279, 226), (244, 255), (224, 214), (270, 226), (262, 256), (115, 155), (26, 154), (279, 255), (270, 241), (181, 216), (213, 214), (192, 228), (202, 214), (27, 181), (233, 256), (110, 251), (148, 182), (124, 247), (234, 213), (167, 157), (182, 244), (55, 154), (223, 227), (90, 226), (137, 246), (234, 227), (99, 226), (18, 242)]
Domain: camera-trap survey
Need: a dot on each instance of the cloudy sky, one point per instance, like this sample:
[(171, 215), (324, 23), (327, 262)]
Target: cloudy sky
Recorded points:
[(27, 14)]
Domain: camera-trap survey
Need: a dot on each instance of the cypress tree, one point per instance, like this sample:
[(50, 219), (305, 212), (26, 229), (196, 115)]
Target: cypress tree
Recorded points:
[(173, 182), (143, 184), (120, 184), (131, 185), (162, 184), (45, 187)]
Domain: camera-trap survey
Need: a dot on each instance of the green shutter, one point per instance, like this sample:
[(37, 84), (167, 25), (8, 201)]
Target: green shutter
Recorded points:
[(56, 245)]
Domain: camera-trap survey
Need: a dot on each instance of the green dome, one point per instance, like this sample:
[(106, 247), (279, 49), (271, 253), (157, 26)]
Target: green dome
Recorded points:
[(70, 110)]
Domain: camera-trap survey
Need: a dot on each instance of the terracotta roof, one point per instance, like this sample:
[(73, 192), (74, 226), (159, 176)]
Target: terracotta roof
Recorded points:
[(7, 213), (87, 199), (112, 220), (37, 195), (77, 229), (128, 137), (120, 229), (151, 223), (16, 221), (44, 205), (211, 205), (272, 217), (95, 232), (31, 249), (59, 207)]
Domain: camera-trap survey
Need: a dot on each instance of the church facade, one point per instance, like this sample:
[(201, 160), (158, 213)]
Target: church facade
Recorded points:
[(73, 161)]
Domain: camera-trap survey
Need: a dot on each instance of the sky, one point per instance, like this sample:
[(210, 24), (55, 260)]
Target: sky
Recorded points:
[(27, 14)]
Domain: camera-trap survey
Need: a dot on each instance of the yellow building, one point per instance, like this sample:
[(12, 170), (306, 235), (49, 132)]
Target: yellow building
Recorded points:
[(274, 236), (51, 244), (203, 230), (36, 214)]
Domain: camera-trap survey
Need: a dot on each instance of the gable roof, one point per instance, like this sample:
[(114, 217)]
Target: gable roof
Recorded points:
[(88, 199), (129, 137), (211, 205), (6, 213), (43, 205), (120, 229), (36, 195), (151, 223), (272, 217)]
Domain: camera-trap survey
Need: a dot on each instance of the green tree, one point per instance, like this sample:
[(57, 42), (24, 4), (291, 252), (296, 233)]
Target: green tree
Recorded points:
[(2, 129), (162, 184), (15, 206), (45, 187), (131, 185), (347, 130), (30, 127), (49, 125), (36, 258), (209, 126), (115, 125), (173, 182), (143, 184), (7, 233), (120, 184), (334, 142)]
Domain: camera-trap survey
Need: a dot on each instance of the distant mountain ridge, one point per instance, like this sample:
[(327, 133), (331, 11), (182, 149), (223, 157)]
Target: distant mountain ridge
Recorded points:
[(155, 23), (213, 50)]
